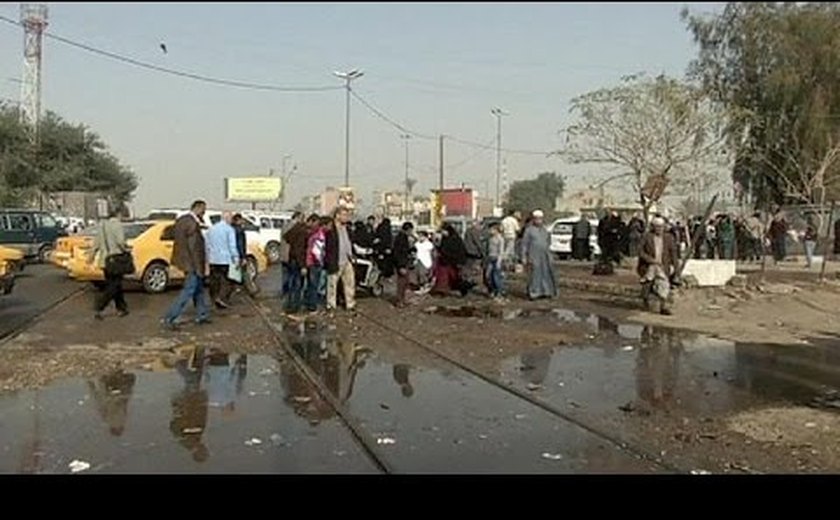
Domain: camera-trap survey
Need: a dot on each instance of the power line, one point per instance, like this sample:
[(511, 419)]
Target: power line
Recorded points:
[(387, 119), (174, 72)]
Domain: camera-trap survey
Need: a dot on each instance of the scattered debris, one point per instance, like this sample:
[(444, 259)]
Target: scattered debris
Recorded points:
[(276, 439), (482, 436), (574, 404), (627, 348), (700, 472), (301, 398), (190, 431), (386, 440), (519, 416), (810, 425), (552, 456), (384, 406), (628, 407), (78, 465), (266, 372), (533, 387), (254, 441)]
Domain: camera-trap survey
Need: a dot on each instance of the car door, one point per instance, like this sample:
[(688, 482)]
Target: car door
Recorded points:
[(20, 232), (167, 242)]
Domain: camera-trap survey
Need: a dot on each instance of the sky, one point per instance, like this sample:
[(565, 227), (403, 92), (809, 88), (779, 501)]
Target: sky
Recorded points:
[(435, 68)]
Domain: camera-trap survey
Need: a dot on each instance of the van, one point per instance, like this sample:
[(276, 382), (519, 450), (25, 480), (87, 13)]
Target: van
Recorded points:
[(30, 231)]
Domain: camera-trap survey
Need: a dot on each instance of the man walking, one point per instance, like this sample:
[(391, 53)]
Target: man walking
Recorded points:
[(537, 255), (403, 261), (510, 228), (189, 255), (109, 242), (222, 254), (297, 238), (495, 249), (657, 264), (339, 261), (473, 270), (297, 218)]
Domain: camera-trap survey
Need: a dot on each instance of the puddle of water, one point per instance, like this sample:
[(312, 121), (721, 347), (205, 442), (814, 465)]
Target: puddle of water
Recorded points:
[(426, 420), (219, 413), (676, 370)]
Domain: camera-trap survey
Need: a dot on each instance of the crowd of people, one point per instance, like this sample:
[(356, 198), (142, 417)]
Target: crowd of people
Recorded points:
[(325, 259)]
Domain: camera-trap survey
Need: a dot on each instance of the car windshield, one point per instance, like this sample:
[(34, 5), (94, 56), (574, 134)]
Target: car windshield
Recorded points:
[(562, 227), (47, 221), (135, 229)]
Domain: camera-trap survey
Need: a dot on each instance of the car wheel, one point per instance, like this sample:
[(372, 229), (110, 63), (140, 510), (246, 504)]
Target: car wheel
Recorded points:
[(44, 253), (377, 290), (156, 278), (272, 251)]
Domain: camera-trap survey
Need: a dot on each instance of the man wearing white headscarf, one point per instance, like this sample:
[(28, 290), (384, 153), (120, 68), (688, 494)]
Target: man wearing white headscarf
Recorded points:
[(658, 262), (537, 257)]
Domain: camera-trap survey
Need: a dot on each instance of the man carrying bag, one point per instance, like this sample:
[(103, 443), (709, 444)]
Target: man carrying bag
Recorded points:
[(111, 254)]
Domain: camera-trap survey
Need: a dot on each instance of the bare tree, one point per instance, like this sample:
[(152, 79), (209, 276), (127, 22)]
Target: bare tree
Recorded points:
[(659, 130)]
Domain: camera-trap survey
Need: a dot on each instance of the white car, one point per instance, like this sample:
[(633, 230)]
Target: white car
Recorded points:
[(270, 227), (252, 231), (561, 237)]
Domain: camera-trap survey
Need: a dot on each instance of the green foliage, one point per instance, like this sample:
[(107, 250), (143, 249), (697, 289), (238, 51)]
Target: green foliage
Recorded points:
[(68, 158), (776, 67), (540, 193)]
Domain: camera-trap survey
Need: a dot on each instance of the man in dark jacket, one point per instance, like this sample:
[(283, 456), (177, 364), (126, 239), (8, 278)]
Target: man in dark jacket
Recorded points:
[(403, 261), (658, 263), (580, 239), (189, 255), (338, 252), (474, 268), (297, 238)]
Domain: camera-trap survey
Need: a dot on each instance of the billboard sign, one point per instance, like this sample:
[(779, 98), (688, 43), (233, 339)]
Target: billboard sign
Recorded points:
[(253, 189)]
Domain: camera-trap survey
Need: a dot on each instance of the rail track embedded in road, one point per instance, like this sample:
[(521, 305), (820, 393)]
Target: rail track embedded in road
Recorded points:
[(553, 410)]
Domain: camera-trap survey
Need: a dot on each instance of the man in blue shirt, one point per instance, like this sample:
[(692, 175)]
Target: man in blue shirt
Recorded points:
[(222, 252)]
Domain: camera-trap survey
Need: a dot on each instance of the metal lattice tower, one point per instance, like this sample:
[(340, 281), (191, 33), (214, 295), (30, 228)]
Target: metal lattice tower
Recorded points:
[(33, 17)]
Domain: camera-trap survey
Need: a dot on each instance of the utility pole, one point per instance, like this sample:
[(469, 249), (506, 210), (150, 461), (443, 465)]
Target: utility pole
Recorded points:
[(407, 203), (439, 201), (498, 113), (347, 77)]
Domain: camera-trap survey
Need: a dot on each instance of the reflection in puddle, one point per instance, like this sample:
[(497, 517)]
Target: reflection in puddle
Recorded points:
[(672, 369)]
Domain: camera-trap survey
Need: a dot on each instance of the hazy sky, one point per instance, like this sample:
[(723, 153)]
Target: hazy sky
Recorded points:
[(435, 68)]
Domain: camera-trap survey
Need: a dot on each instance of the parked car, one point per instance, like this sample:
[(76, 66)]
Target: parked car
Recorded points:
[(32, 232), (267, 238), (561, 237), (151, 245), (9, 261), (64, 246), (270, 227)]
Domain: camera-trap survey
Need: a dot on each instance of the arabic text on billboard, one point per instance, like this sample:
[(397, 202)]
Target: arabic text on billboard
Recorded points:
[(253, 189)]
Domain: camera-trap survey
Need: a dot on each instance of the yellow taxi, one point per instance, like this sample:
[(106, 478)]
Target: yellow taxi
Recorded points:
[(151, 245), (11, 260), (63, 250)]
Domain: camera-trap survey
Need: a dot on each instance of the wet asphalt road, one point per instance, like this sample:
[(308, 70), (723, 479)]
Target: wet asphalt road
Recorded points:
[(415, 413), (36, 289)]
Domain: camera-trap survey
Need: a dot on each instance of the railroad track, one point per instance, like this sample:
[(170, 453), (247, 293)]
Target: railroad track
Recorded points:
[(368, 443)]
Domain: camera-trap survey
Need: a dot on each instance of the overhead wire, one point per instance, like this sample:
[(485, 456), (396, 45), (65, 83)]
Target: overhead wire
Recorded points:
[(175, 72)]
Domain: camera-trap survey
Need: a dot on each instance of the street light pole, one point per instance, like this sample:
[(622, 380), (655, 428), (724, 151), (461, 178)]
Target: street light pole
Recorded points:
[(347, 77), (498, 113), (407, 204)]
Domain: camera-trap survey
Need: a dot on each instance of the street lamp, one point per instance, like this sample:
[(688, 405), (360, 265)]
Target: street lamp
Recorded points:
[(348, 77), (498, 113), (407, 205)]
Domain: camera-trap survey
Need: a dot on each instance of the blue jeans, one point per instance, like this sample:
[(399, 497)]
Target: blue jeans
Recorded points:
[(313, 284), (494, 277), (284, 278), (193, 290), (294, 296)]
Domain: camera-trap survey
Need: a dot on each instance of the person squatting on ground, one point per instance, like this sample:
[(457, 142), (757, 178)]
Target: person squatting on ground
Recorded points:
[(109, 242), (658, 263), (189, 254), (339, 261), (222, 255)]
